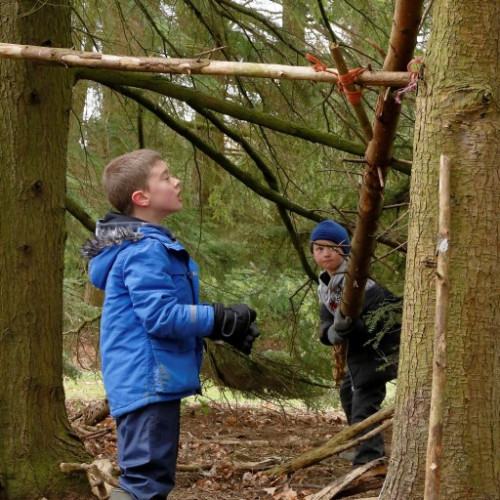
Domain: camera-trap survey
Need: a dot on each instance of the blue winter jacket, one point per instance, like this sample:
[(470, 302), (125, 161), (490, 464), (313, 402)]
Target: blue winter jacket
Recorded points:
[(152, 324)]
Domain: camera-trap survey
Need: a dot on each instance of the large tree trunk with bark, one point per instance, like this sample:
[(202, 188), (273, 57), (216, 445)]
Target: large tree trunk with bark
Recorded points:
[(458, 116), (35, 435)]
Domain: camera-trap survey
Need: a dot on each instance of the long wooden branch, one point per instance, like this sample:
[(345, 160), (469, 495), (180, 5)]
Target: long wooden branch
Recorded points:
[(363, 478), (378, 157), (78, 59), (110, 69), (336, 444), (437, 410)]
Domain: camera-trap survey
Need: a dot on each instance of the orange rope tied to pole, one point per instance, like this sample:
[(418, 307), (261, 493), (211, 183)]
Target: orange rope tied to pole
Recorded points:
[(319, 65), (353, 96)]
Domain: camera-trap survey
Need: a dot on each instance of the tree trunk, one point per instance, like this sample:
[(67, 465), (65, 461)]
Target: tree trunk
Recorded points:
[(35, 435), (458, 116)]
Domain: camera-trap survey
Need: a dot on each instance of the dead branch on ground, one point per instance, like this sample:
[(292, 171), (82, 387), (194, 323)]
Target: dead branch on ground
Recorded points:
[(101, 474), (340, 442), (363, 478)]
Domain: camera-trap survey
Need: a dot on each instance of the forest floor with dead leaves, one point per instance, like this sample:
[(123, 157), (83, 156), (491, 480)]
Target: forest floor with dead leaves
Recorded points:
[(226, 448)]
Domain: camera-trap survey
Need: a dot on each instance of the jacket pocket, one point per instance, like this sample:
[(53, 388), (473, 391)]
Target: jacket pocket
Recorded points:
[(176, 366)]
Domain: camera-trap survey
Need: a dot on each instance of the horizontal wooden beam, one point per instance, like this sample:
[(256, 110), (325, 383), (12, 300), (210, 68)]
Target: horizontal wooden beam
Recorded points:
[(77, 59)]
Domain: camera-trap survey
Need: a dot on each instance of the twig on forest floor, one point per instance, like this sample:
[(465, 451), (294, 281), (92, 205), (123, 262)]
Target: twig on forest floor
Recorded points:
[(100, 473), (368, 476)]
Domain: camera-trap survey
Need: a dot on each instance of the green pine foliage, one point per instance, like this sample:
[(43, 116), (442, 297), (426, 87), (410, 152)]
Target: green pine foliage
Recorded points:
[(238, 238)]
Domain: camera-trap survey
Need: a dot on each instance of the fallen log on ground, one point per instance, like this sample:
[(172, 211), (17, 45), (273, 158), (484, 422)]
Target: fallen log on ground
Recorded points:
[(339, 443)]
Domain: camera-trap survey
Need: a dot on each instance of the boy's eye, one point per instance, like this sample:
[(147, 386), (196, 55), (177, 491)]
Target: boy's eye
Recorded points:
[(321, 248)]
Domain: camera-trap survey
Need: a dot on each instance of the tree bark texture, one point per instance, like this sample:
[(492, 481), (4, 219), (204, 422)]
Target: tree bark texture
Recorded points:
[(35, 435), (458, 115)]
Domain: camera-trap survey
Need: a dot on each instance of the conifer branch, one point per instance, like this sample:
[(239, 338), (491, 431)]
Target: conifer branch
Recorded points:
[(79, 213), (271, 181), (194, 98), (185, 131)]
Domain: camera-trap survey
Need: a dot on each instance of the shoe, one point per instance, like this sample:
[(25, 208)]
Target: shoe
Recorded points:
[(119, 494), (348, 455)]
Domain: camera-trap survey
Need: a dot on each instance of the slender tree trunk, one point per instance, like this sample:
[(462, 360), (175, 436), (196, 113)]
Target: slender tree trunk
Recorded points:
[(458, 116), (35, 435)]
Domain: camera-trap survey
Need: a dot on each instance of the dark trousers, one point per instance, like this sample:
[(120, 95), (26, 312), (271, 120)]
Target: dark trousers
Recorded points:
[(147, 441), (358, 404)]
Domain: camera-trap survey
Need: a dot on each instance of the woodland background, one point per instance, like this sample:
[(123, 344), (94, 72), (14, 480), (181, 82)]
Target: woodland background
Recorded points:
[(261, 162), (240, 241)]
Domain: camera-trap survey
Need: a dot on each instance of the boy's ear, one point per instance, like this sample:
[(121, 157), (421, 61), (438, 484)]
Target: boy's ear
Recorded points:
[(140, 198)]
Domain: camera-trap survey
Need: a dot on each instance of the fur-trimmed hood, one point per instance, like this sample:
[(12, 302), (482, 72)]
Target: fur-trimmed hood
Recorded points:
[(114, 236), (114, 233)]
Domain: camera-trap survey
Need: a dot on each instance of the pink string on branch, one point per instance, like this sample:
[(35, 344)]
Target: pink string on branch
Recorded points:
[(353, 96), (412, 86)]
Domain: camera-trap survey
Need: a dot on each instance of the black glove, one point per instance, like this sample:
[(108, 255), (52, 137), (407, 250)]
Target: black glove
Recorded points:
[(323, 332), (235, 325), (245, 346)]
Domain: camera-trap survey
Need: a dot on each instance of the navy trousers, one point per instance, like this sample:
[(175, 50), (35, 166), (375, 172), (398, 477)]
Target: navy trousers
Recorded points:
[(148, 441), (358, 404)]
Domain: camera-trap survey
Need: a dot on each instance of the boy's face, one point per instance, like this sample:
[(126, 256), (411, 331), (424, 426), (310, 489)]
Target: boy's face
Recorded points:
[(163, 193), (327, 255)]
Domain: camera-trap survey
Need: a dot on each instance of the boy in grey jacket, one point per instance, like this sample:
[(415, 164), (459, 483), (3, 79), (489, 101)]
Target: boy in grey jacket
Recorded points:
[(368, 369)]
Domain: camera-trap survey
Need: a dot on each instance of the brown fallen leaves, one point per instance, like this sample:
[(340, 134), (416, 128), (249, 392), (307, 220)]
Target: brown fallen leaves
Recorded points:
[(225, 450)]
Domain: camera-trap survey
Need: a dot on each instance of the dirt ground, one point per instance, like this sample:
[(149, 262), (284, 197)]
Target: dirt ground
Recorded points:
[(225, 449)]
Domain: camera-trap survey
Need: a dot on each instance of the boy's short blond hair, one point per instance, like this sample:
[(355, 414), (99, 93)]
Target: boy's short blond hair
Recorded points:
[(128, 173)]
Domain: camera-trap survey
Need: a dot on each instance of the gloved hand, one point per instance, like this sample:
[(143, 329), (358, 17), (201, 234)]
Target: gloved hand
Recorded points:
[(245, 346), (343, 327), (333, 336), (235, 325)]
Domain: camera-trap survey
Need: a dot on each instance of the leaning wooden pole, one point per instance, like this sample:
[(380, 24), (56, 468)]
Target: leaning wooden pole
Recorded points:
[(435, 440), (78, 59), (378, 154)]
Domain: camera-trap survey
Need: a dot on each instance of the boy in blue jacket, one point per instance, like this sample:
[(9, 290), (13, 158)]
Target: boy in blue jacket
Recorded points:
[(369, 350), (152, 324)]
